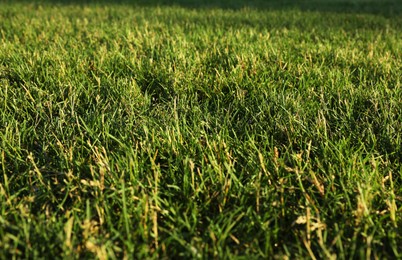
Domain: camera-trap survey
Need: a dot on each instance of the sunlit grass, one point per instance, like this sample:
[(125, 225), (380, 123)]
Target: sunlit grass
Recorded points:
[(154, 131)]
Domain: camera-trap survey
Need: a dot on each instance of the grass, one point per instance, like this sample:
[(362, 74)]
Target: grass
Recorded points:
[(192, 130)]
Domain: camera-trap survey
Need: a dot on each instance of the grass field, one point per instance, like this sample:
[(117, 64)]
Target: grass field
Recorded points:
[(201, 129)]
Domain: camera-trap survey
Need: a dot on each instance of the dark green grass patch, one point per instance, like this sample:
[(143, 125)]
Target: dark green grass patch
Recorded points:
[(200, 130)]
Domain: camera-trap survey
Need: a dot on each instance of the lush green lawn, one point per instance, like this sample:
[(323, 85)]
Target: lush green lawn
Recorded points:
[(204, 130)]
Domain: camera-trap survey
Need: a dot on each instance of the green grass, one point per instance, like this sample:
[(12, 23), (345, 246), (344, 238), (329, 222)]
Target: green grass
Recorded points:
[(267, 130)]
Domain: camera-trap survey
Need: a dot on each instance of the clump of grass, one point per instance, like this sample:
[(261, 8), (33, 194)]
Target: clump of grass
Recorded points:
[(166, 131)]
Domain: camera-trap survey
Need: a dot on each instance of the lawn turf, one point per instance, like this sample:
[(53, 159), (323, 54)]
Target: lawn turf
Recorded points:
[(200, 129)]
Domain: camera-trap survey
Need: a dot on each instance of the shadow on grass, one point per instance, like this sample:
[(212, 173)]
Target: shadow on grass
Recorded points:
[(388, 8)]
